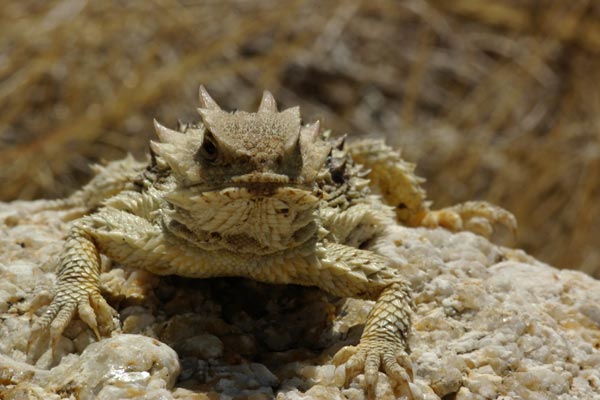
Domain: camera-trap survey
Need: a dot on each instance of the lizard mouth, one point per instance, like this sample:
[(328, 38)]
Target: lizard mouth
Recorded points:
[(265, 182), (261, 178), (261, 183)]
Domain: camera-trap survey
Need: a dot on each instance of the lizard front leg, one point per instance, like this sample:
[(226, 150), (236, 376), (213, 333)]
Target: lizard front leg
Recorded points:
[(77, 291), (133, 235), (384, 341), (346, 271)]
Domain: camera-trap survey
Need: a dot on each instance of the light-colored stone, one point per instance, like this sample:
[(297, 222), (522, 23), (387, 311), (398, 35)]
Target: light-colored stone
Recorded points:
[(490, 323), (124, 364), (120, 367)]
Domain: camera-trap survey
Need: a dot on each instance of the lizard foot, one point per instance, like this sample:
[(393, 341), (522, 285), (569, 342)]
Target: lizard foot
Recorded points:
[(92, 309), (370, 356), (476, 216)]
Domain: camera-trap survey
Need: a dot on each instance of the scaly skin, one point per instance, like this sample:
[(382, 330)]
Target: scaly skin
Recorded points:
[(259, 196)]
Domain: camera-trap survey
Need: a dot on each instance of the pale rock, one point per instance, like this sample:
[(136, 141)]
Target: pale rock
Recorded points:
[(484, 382), (324, 393), (354, 394), (328, 375), (120, 367), (315, 393), (490, 322), (124, 364), (137, 319)]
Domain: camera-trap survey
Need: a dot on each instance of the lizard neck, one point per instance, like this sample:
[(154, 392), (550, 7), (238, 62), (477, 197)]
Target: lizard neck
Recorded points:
[(241, 220)]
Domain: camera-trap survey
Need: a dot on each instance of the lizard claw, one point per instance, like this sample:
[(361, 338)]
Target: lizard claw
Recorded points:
[(92, 309), (372, 355)]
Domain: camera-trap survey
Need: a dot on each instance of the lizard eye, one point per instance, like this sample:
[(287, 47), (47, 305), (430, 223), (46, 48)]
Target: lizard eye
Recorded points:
[(208, 151)]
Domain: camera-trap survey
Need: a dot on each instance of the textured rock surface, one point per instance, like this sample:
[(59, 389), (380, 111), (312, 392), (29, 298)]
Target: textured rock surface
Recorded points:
[(490, 323)]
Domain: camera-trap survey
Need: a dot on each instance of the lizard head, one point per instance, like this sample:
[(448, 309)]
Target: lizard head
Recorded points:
[(243, 179), (243, 149)]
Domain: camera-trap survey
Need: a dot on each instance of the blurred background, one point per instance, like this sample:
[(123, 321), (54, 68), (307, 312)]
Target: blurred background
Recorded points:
[(496, 100)]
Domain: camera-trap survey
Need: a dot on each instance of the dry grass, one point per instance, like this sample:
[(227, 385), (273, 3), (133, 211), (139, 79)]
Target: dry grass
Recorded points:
[(495, 99)]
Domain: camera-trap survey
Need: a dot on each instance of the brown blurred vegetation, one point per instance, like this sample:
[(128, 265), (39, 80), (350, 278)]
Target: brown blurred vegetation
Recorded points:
[(495, 99)]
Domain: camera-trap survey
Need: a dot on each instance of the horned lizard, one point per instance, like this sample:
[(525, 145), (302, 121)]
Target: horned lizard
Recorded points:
[(262, 196)]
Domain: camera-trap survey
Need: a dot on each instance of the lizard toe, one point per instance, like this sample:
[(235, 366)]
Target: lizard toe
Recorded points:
[(399, 369), (355, 365), (97, 314), (60, 321), (46, 332), (445, 218), (373, 356), (372, 364), (343, 355), (479, 217), (480, 225)]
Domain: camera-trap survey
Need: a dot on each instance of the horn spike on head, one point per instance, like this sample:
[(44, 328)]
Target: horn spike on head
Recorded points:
[(160, 148), (314, 129), (206, 101), (267, 103), (165, 134), (339, 142), (204, 112)]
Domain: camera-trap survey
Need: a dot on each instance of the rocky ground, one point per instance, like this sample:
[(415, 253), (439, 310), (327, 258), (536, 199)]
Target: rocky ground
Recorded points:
[(490, 323)]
